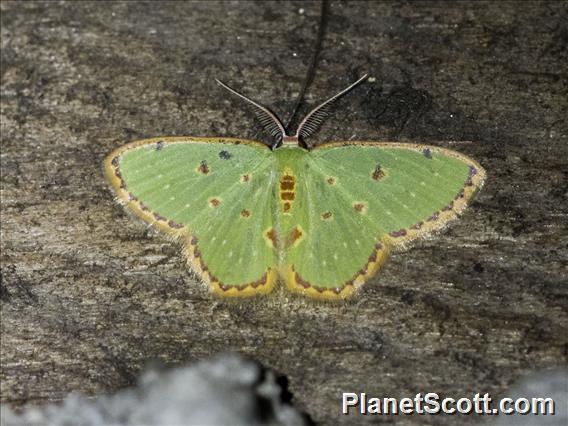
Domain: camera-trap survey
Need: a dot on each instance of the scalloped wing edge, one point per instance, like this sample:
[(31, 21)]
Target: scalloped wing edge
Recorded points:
[(402, 239), (296, 284), (293, 281), (263, 285)]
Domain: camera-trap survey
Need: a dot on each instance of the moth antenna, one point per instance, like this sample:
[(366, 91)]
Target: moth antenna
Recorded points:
[(267, 118), (313, 121)]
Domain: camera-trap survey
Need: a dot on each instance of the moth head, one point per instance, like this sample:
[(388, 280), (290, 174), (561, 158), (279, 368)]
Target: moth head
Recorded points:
[(307, 127)]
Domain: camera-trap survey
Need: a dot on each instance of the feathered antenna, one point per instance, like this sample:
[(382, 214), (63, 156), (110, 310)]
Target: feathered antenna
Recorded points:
[(313, 121), (266, 117)]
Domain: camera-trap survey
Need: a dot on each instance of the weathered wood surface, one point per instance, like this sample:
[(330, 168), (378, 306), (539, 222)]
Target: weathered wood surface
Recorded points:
[(89, 295)]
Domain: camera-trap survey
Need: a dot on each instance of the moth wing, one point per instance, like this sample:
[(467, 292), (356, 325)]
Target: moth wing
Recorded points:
[(214, 194), (364, 199)]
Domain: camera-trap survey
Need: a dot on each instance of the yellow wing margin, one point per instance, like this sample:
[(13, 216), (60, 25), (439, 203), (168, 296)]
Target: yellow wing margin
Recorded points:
[(263, 285), (297, 284), (471, 187)]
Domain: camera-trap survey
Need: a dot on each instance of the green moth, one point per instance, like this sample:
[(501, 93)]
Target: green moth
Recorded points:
[(321, 219)]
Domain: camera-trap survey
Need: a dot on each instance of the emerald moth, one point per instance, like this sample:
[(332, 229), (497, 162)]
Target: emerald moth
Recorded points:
[(320, 219)]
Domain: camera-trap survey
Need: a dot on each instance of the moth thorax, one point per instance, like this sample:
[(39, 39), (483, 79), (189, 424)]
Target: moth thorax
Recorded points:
[(290, 140)]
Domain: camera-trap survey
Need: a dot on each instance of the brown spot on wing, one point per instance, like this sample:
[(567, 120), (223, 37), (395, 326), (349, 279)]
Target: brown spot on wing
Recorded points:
[(400, 233), (294, 237), (434, 217), (245, 213), (287, 193), (214, 202), (175, 225), (330, 181), (203, 167), (272, 237), (287, 196), (245, 178), (225, 287), (378, 173), (326, 216), (359, 207)]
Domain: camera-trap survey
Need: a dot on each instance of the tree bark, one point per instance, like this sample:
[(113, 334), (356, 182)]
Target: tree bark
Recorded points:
[(90, 295)]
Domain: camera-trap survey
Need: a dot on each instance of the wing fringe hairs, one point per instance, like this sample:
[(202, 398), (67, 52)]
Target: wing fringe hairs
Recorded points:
[(396, 242)]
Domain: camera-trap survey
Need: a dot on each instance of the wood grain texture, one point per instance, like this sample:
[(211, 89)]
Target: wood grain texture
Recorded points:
[(88, 297)]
